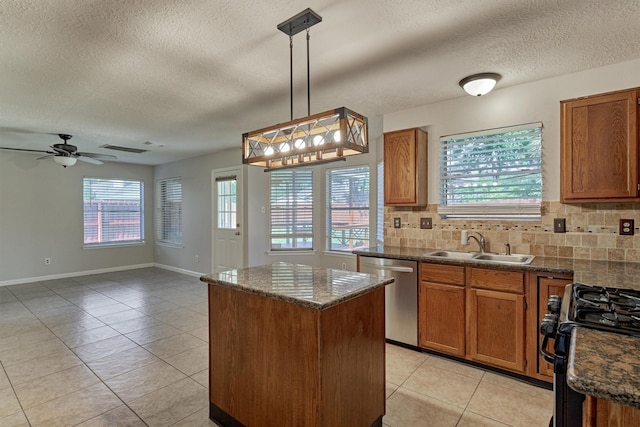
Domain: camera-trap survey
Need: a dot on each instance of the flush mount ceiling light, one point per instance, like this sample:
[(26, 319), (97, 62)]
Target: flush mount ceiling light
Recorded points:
[(319, 138), (479, 84)]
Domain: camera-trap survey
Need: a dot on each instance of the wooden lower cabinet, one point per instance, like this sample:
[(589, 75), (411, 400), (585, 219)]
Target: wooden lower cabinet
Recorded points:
[(441, 317), (604, 413), (496, 328), (441, 313)]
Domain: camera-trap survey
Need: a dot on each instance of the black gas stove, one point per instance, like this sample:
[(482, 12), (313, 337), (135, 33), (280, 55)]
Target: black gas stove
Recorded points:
[(607, 309)]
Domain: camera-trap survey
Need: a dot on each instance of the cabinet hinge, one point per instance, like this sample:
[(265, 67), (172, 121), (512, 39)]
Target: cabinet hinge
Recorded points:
[(638, 186), (639, 100), (525, 363), (526, 306)]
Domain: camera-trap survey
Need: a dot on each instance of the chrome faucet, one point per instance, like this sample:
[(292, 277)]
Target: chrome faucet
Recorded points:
[(481, 242)]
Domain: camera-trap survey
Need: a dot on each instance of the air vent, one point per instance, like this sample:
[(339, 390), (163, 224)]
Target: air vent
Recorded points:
[(127, 149)]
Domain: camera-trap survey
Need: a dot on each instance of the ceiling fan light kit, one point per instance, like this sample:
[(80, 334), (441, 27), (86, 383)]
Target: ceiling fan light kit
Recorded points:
[(320, 138), (480, 84), (65, 161)]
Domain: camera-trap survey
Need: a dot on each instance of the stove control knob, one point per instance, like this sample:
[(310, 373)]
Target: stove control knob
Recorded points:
[(549, 325), (554, 304)]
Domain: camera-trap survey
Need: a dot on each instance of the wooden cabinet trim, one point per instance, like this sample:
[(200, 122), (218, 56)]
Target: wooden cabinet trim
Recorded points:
[(498, 280), (442, 273)]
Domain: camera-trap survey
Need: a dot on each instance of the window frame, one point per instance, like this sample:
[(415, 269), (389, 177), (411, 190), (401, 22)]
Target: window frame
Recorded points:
[(166, 213), (291, 207), (328, 207), (527, 142), (93, 182)]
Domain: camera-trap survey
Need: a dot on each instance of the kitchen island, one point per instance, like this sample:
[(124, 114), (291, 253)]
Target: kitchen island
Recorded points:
[(295, 345)]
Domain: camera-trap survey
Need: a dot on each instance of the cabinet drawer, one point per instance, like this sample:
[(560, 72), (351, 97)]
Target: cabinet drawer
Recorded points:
[(442, 273), (497, 280)]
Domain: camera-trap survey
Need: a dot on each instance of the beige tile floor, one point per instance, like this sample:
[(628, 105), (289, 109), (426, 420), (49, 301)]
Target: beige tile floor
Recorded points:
[(130, 349)]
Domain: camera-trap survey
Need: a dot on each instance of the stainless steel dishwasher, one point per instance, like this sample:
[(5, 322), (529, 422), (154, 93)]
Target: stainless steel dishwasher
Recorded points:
[(401, 299)]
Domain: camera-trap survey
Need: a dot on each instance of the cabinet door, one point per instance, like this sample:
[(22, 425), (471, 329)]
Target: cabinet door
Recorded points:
[(405, 168), (547, 286), (604, 413), (599, 148), (495, 328), (441, 317)]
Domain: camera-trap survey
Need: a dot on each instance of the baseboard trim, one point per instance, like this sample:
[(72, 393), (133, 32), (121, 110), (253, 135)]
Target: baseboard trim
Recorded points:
[(75, 274), (179, 270)]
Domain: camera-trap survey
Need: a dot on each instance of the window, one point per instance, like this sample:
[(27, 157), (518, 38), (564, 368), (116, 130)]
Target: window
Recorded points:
[(113, 211), (227, 203), (169, 211), (348, 208), (495, 173), (291, 194)]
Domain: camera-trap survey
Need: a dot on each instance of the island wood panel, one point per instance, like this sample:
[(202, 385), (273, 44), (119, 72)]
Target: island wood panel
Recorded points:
[(274, 363), (352, 354), (604, 413)]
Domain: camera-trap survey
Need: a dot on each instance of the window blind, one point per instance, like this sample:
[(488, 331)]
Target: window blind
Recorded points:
[(291, 209), (113, 211), (348, 208), (169, 211), (380, 207), (495, 173), (227, 203)]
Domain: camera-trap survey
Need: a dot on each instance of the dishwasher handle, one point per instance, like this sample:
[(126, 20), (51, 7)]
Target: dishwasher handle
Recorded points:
[(391, 268)]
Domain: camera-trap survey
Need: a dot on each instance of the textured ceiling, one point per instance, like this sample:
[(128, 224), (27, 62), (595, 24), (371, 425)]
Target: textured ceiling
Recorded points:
[(191, 76)]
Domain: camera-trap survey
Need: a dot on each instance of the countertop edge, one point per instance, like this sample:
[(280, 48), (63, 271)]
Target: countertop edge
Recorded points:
[(596, 381), (297, 301)]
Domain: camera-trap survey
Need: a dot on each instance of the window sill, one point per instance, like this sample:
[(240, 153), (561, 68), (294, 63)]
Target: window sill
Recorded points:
[(170, 245), (113, 245), (288, 253), (339, 254)]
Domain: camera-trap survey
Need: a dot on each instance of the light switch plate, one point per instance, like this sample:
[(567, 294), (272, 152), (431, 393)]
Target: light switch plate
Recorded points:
[(560, 225), (626, 227), (396, 223), (426, 223)]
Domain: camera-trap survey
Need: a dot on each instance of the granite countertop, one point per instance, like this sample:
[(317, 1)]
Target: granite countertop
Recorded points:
[(605, 365), (598, 273), (313, 287)]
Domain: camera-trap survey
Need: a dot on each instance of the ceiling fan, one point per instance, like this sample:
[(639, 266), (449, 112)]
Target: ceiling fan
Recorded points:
[(66, 154)]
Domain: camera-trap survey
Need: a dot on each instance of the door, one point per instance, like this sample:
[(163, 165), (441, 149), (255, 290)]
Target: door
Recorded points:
[(228, 234), (496, 328)]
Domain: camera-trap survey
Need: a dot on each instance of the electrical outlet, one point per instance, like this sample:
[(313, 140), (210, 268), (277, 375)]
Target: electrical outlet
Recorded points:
[(626, 227), (396, 223), (344, 265), (560, 225), (47, 261), (426, 223)]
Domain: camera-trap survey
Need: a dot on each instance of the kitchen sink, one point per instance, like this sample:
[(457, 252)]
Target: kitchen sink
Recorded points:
[(452, 254), (509, 259), (488, 257)]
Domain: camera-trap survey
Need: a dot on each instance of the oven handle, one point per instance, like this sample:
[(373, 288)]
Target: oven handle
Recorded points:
[(543, 350)]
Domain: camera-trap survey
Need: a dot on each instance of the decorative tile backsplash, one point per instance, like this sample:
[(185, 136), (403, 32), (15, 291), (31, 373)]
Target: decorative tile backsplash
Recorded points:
[(591, 232)]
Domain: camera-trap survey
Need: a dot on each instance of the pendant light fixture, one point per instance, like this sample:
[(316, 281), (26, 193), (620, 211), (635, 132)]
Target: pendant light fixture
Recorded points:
[(319, 138), (479, 84)]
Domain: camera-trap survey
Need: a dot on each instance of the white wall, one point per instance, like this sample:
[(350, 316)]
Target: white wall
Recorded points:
[(197, 212), (41, 215), (537, 101)]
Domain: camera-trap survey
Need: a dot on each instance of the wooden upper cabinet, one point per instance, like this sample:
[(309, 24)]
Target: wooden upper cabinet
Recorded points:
[(599, 148), (405, 168)]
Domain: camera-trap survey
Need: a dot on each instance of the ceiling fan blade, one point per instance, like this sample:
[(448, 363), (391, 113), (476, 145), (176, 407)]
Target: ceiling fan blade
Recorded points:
[(46, 157), (26, 149), (89, 160), (98, 156)]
